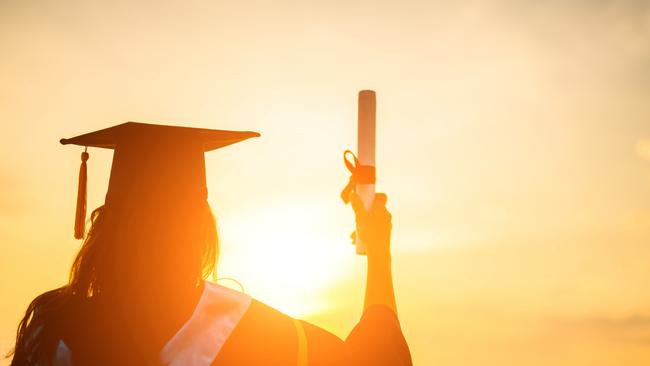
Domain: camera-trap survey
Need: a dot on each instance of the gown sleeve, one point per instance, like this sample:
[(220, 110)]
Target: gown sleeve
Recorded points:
[(267, 337), (377, 340)]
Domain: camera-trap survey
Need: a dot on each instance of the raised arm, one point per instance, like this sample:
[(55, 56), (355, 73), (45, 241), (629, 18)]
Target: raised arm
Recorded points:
[(374, 229), (377, 338)]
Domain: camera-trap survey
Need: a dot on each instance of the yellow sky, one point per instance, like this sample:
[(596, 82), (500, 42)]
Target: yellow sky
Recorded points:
[(513, 142)]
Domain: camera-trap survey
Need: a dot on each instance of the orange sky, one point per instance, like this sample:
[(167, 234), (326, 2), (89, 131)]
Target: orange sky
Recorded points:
[(513, 142)]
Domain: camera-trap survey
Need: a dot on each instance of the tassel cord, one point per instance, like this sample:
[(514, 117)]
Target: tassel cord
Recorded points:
[(80, 216)]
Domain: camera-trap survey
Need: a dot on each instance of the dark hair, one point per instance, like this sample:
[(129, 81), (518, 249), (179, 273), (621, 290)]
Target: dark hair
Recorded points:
[(39, 331)]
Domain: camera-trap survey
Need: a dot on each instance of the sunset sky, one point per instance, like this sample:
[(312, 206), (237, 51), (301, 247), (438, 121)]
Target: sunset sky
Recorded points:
[(513, 142)]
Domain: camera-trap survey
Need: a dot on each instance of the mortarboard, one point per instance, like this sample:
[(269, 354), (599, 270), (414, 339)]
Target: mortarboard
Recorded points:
[(151, 163)]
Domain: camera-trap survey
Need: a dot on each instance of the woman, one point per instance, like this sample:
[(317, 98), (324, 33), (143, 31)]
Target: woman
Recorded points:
[(137, 295)]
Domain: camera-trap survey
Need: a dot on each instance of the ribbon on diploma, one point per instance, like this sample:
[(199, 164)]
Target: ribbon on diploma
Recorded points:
[(359, 174)]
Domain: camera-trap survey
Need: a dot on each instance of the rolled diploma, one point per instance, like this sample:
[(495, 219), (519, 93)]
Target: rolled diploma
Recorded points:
[(366, 150)]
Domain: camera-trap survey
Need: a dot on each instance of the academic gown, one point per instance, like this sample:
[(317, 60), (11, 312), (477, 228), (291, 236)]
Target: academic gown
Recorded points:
[(229, 328)]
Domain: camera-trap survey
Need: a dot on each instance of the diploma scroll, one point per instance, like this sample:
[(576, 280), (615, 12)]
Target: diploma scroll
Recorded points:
[(366, 150)]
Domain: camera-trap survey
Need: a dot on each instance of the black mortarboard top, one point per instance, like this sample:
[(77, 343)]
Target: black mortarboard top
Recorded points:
[(151, 163)]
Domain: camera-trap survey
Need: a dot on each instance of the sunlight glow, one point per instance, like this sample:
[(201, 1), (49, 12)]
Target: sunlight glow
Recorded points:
[(284, 253)]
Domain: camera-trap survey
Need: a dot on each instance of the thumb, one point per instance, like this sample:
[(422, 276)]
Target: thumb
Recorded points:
[(356, 203)]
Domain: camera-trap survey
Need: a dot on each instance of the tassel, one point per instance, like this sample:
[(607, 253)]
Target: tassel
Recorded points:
[(80, 217)]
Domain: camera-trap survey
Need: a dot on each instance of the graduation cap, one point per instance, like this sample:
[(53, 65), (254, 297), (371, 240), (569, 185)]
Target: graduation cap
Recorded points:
[(151, 163)]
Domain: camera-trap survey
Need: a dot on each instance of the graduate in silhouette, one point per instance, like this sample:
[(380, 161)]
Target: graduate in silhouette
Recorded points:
[(137, 293)]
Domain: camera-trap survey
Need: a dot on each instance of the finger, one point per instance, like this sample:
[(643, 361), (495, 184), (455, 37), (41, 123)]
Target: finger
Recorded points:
[(380, 201), (356, 203)]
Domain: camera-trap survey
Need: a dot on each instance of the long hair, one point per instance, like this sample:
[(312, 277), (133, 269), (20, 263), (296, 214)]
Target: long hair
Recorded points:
[(92, 273)]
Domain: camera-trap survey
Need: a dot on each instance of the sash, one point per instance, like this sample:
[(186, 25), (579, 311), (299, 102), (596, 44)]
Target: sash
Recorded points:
[(200, 339)]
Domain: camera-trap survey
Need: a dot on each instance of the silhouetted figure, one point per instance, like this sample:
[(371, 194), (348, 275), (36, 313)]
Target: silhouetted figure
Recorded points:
[(137, 294)]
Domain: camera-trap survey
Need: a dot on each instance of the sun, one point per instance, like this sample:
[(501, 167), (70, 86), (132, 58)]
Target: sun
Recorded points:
[(286, 253)]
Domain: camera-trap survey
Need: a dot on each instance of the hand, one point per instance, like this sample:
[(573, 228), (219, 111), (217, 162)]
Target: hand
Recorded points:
[(374, 227)]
